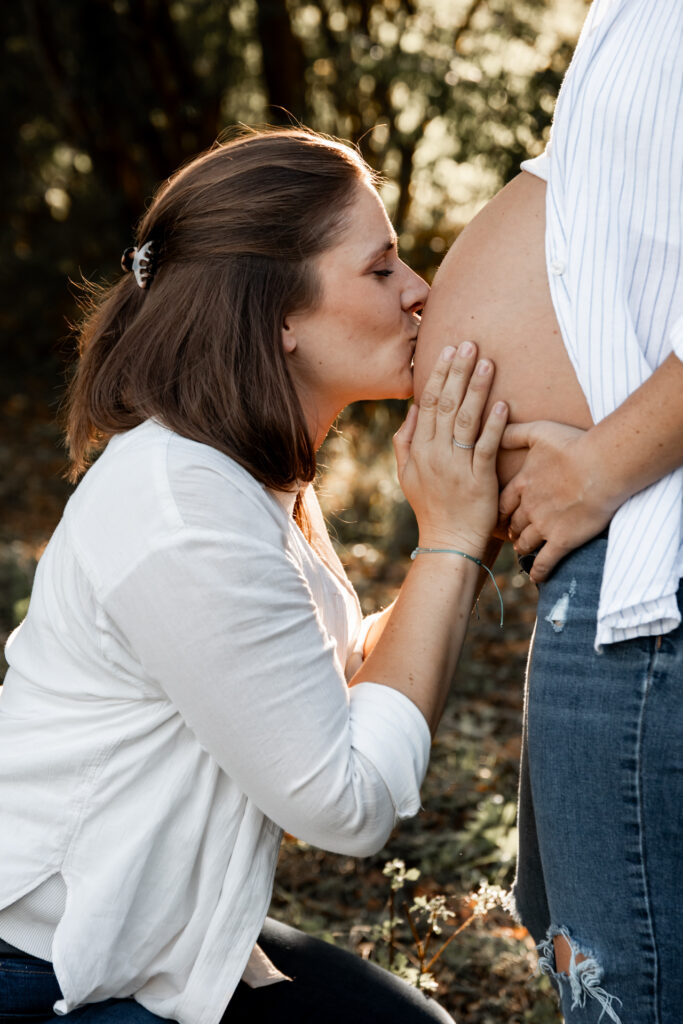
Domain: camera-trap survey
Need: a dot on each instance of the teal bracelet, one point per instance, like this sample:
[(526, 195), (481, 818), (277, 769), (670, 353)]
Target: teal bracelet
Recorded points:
[(463, 554)]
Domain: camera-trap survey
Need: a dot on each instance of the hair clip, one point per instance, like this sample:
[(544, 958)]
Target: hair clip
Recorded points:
[(141, 262)]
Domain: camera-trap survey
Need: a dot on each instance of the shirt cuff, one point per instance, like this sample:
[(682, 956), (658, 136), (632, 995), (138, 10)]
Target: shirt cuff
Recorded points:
[(392, 733), (676, 337), (651, 618)]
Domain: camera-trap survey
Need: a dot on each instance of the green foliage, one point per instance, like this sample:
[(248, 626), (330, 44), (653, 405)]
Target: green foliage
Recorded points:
[(489, 838), (103, 98)]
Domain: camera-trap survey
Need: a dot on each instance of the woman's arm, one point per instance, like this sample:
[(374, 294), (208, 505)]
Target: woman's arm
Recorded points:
[(453, 491), (381, 619), (573, 481)]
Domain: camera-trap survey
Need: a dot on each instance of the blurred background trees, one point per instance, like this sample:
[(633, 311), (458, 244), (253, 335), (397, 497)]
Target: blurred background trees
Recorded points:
[(102, 99)]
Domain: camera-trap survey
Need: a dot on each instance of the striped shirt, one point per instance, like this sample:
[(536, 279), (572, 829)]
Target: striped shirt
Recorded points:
[(614, 232)]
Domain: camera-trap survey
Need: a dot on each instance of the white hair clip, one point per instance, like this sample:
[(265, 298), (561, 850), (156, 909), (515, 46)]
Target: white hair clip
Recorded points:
[(141, 262)]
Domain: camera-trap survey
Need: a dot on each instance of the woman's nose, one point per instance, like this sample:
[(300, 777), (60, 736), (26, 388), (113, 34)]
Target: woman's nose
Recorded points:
[(415, 292)]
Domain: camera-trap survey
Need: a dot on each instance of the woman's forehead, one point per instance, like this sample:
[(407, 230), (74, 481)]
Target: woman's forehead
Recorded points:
[(367, 232)]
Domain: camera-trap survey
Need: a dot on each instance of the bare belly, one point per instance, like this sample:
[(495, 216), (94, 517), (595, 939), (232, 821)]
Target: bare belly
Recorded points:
[(492, 288)]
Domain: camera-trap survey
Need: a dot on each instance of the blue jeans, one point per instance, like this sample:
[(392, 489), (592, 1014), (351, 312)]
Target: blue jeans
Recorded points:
[(601, 806), (328, 985), (29, 988)]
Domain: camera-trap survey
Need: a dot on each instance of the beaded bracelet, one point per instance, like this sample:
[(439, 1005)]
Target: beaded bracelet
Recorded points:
[(463, 554)]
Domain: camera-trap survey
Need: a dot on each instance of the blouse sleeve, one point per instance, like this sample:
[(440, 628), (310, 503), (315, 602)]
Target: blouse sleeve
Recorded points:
[(539, 166), (226, 626), (676, 336)]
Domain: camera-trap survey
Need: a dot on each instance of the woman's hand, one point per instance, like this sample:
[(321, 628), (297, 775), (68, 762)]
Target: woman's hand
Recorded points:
[(557, 501), (446, 468)]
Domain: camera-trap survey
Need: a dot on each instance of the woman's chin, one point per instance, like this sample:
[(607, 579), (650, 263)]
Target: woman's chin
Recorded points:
[(400, 386), (399, 392), (405, 389)]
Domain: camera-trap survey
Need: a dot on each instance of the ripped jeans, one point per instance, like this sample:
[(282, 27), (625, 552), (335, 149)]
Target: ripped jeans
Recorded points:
[(601, 806)]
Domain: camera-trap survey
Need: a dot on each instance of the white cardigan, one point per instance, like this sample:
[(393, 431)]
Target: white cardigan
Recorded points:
[(176, 698)]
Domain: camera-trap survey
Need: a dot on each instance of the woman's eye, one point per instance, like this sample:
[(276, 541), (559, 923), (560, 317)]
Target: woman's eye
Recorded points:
[(382, 273)]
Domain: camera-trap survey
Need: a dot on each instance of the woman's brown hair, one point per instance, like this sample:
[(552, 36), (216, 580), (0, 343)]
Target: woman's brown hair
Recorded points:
[(235, 235)]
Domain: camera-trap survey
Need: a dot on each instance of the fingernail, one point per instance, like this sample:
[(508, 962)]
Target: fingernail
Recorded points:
[(466, 349), (448, 353), (500, 408), (483, 367)]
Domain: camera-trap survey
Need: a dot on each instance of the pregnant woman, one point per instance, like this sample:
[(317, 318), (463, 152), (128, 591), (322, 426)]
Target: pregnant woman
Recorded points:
[(574, 288), (177, 695)]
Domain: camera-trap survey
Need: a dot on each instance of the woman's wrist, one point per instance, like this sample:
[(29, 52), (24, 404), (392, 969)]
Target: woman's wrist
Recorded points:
[(447, 542), (605, 484)]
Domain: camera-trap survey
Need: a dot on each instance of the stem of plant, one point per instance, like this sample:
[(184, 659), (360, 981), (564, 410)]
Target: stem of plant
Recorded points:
[(416, 937), (428, 937), (448, 941)]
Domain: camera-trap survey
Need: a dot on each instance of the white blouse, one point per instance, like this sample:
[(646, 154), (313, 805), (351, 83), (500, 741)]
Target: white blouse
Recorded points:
[(614, 251), (176, 698)]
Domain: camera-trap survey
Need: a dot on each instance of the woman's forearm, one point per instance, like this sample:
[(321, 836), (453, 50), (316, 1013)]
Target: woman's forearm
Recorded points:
[(642, 440), (418, 639), (377, 628), (382, 619)]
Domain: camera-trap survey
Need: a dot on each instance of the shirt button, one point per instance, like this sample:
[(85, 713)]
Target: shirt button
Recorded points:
[(558, 267)]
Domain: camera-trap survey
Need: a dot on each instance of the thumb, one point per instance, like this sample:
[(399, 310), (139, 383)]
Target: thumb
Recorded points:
[(517, 435), (403, 438)]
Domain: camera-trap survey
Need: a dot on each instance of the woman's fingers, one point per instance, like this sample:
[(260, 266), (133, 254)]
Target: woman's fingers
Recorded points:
[(510, 498), (467, 419), (487, 446), (403, 439), (529, 540), (546, 560), (519, 521), (453, 392), (429, 402)]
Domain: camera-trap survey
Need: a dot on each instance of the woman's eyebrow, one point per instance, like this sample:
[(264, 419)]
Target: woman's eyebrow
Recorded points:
[(385, 247)]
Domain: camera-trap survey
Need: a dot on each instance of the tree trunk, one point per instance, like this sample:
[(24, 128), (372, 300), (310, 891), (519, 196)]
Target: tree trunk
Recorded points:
[(283, 61)]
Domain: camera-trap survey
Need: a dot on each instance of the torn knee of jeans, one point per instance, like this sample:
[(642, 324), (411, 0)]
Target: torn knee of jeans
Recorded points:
[(584, 975)]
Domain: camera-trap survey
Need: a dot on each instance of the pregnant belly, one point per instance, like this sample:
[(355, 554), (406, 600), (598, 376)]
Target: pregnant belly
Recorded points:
[(492, 288)]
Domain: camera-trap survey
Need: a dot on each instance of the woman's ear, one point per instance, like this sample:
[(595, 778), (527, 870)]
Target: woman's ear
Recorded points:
[(288, 337)]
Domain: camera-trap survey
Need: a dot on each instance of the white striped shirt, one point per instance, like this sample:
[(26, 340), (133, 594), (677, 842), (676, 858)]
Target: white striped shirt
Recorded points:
[(614, 233)]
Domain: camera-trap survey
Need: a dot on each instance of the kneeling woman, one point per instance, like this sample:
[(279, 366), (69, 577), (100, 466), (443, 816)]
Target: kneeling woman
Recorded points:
[(193, 675)]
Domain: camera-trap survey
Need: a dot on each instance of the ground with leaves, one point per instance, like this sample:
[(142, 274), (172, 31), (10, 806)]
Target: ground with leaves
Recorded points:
[(465, 835)]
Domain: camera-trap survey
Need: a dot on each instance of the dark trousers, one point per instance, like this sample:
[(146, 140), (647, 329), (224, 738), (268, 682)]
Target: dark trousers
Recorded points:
[(328, 984)]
